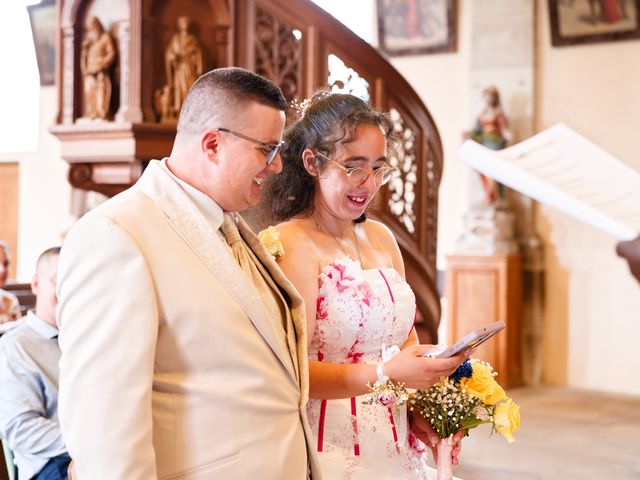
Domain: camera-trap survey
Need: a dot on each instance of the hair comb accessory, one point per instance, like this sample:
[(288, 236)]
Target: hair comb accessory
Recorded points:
[(301, 106)]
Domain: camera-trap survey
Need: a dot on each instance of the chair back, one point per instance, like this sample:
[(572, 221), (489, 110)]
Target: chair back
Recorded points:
[(12, 469)]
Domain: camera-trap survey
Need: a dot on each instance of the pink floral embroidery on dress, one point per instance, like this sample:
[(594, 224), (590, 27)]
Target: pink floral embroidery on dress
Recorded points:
[(321, 311)]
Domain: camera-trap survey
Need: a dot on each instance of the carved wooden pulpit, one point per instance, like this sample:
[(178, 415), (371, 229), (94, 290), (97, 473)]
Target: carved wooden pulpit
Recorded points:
[(161, 45)]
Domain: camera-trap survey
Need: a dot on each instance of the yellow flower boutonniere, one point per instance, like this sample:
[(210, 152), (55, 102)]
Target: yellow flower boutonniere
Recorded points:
[(270, 238)]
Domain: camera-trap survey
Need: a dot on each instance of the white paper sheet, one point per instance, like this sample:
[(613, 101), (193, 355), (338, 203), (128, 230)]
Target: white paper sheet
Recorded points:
[(564, 170)]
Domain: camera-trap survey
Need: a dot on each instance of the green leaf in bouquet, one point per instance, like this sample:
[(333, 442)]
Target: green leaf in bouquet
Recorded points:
[(472, 422)]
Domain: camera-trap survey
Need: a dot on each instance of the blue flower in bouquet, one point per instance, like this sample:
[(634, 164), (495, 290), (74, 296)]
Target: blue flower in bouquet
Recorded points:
[(463, 371)]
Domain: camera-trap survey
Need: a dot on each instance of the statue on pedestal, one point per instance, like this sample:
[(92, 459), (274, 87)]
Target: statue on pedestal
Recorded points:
[(183, 65), (97, 55), (489, 226), (491, 130)]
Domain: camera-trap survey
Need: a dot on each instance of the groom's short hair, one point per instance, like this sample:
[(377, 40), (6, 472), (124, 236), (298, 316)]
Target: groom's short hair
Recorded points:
[(220, 94)]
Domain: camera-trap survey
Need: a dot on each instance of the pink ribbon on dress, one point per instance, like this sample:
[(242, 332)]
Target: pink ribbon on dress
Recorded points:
[(323, 412)]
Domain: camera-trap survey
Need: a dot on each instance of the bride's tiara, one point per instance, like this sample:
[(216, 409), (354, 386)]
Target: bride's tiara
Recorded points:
[(301, 106)]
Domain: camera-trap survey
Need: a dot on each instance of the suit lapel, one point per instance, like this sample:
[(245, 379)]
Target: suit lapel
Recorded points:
[(296, 303), (212, 250)]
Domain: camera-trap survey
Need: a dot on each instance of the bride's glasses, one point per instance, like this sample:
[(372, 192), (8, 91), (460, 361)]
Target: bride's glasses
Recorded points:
[(358, 175)]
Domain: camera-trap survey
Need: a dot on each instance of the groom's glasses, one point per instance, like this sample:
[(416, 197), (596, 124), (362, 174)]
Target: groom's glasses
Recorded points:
[(270, 149)]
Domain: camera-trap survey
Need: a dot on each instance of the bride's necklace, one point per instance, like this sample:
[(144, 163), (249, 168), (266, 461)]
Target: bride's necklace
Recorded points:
[(337, 240)]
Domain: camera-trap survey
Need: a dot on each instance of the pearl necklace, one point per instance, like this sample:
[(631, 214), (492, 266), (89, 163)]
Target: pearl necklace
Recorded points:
[(337, 240)]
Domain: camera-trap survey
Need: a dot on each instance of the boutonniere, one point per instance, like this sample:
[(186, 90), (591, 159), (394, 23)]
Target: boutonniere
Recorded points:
[(270, 238)]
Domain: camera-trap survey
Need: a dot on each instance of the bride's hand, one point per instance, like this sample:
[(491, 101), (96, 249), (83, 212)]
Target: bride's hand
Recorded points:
[(416, 371), (423, 430)]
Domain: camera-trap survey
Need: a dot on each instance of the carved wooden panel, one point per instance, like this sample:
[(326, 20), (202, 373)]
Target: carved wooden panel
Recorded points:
[(413, 196), (402, 188), (344, 79), (278, 53)]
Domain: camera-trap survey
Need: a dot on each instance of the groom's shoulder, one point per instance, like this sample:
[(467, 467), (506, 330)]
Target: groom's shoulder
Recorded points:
[(114, 211)]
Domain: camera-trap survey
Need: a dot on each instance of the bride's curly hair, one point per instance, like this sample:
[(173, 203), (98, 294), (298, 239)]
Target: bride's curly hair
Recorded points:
[(326, 120)]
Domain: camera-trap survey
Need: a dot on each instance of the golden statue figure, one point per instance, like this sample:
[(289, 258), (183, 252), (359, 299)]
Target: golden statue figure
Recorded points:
[(183, 64), (163, 104), (97, 55)]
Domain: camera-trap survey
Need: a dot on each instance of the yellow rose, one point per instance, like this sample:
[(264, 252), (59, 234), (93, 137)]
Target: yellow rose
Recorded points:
[(482, 384), (506, 419), (270, 238)]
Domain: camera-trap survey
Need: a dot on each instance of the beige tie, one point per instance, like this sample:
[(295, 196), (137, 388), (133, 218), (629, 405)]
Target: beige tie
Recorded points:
[(248, 263)]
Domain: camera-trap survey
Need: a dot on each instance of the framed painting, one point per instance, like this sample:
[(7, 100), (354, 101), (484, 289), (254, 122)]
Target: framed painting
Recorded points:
[(43, 28), (413, 27), (575, 22)]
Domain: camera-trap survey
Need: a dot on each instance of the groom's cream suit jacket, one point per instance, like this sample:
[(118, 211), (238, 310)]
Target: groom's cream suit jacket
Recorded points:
[(171, 367)]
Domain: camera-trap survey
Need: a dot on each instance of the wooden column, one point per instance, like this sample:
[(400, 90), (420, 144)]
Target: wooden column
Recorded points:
[(485, 289)]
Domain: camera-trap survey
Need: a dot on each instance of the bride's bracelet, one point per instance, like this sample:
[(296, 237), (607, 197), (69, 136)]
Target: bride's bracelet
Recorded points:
[(380, 372), (385, 392)]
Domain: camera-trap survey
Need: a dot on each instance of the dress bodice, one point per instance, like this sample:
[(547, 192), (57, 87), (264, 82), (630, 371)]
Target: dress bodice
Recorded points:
[(358, 310)]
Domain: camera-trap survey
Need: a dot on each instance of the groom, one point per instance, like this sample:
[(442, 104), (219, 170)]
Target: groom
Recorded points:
[(177, 360)]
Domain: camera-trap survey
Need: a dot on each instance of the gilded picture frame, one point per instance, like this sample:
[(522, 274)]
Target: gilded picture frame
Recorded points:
[(576, 22), (42, 17)]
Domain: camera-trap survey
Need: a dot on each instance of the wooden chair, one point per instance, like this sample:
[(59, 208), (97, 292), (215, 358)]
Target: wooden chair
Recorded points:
[(25, 296)]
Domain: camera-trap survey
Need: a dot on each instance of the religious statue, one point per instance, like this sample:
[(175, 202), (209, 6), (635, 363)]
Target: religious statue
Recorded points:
[(97, 55), (491, 131), (163, 104), (489, 226), (183, 65)]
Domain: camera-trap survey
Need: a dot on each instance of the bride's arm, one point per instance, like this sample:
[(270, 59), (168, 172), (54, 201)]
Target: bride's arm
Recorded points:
[(333, 380)]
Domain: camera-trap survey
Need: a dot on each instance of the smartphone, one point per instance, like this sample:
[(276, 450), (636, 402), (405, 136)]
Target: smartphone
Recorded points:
[(472, 339)]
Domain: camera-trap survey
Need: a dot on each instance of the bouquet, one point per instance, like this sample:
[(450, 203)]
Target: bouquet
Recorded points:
[(469, 397)]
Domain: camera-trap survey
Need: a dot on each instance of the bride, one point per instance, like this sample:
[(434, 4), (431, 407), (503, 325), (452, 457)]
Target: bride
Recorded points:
[(350, 272)]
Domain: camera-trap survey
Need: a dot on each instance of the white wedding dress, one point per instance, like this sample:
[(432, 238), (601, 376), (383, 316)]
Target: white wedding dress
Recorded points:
[(358, 311)]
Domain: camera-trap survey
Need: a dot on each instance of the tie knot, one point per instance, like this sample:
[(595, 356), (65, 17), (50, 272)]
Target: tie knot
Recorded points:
[(230, 229)]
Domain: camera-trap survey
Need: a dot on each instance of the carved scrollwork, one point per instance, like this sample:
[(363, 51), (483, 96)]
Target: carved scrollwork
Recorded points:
[(278, 51), (344, 79), (402, 191), (431, 211)]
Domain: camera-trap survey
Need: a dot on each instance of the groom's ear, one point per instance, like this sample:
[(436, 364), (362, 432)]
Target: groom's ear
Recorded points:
[(310, 162), (209, 144)]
